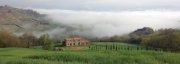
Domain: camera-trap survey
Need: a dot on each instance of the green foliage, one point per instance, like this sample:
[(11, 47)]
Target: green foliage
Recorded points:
[(48, 43), (32, 56), (115, 46), (167, 39)]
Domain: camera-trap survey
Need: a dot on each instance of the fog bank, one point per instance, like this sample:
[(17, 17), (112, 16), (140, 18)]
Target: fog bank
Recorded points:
[(100, 24)]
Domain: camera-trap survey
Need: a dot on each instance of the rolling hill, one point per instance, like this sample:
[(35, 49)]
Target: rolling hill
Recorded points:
[(22, 20)]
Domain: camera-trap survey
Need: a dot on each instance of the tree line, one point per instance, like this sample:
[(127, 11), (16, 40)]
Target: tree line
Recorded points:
[(27, 40), (165, 39)]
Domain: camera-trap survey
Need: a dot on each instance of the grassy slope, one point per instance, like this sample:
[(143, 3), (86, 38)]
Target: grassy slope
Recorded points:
[(33, 56)]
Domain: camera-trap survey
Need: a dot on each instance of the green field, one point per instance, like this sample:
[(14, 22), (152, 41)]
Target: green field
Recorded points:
[(95, 54)]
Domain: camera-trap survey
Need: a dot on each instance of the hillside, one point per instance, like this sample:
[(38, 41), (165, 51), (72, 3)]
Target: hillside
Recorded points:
[(22, 20)]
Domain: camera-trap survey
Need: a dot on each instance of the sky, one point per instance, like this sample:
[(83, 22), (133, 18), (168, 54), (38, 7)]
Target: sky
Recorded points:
[(96, 5), (99, 18)]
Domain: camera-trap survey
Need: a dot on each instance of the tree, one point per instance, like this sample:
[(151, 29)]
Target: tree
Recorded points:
[(47, 42), (137, 35), (166, 39), (7, 39), (29, 40)]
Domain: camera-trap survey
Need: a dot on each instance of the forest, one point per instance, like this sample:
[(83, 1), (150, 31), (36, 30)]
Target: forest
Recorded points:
[(165, 39)]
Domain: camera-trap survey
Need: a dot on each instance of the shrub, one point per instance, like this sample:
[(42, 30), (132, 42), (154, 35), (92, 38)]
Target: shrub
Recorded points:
[(47, 42)]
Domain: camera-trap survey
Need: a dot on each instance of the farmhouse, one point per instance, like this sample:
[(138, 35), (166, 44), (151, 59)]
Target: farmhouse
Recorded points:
[(75, 41)]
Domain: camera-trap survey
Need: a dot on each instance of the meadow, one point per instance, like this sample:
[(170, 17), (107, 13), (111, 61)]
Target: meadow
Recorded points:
[(97, 53)]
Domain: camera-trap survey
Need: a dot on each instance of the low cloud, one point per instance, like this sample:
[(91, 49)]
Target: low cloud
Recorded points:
[(100, 24)]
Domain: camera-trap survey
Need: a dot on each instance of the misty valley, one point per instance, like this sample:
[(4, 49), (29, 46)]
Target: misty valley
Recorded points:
[(65, 36)]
